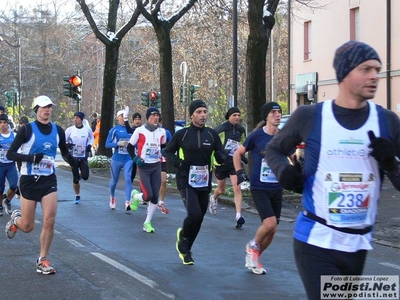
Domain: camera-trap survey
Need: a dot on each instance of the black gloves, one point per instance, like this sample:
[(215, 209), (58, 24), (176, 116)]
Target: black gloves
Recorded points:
[(183, 165), (241, 176), (70, 146), (138, 161), (384, 151), (37, 157), (88, 148), (291, 178)]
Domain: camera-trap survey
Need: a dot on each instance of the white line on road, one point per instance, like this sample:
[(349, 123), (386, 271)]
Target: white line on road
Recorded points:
[(390, 265), (131, 273), (75, 243)]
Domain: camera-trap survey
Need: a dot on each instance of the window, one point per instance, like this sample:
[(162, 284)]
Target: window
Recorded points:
[(354, 23), (307, 40)]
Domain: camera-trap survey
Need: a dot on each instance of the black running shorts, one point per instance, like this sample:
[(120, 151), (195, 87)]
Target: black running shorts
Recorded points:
[(33, 187)]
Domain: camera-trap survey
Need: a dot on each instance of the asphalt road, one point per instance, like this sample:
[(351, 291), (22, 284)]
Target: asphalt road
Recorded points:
[(104, 254)]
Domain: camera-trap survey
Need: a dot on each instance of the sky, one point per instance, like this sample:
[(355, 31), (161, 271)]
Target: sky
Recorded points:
[(6, 4)]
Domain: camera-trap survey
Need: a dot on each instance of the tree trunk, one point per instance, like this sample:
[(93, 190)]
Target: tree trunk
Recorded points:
[(107, 102), (167, 101), (257, 46)]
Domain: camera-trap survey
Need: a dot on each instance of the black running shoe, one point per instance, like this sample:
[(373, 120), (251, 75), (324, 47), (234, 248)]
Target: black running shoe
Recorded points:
[(187, 259), (240, 222)]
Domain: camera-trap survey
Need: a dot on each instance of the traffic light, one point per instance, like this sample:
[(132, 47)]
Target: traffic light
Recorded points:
[(158, 100), (145, 99), (152, 99), (9, 96), (67, 87), (76, 84), (193, 89), (72, 87)]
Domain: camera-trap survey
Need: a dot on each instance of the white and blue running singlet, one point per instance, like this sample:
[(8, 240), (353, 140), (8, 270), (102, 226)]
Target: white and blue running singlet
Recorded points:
[(345, 198), (40, 143)]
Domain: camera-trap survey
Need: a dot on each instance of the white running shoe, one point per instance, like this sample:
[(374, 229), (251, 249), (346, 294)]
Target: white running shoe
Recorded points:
[(213, 205), (252, 260), (112, 202)]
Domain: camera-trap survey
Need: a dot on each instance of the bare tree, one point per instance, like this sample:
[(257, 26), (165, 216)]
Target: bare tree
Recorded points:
[(112, 40), (261, 21), (151, 10)]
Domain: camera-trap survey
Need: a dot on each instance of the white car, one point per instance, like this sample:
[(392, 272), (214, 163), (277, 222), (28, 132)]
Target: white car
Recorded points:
[(283, 121)]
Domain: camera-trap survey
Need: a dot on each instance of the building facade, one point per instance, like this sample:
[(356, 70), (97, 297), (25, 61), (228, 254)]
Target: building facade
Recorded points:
[(317, 32)]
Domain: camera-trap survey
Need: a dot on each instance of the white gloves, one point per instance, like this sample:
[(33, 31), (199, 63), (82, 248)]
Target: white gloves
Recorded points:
[(122, 143), (126, 113)]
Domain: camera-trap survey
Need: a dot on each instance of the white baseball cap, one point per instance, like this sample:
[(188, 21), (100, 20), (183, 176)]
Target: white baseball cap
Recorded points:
[(42, 101), (120, 112)]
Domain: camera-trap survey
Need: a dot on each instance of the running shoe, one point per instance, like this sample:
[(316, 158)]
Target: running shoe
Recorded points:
[(259, 270), (77, 199), (11, 228), (163, 208), (240, 222), (134, 200), (252, 260), (184, 254), (112, 202), (187, 259), (43, 266), (127, 205), (213, 205), (7, 206), (1, 210), (148, 228)]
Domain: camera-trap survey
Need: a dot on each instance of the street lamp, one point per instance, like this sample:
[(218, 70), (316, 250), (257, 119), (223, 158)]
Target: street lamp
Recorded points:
[(18, 45)]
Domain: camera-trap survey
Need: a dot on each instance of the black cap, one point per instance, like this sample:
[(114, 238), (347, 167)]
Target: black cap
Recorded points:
[(195, 105), (231, 111), (136, 115)]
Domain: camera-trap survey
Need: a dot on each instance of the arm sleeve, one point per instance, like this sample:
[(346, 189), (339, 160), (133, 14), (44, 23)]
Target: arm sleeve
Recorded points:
[(63, 145), (220, 154), (23, 135), (169, 152), (131, 150), (91, 137), (128, 127), (296, 130), (110, 143), (393, 123)]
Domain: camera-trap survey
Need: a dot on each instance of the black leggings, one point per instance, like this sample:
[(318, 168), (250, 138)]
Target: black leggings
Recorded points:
[(82, 165), (196, 204), (313, 261)]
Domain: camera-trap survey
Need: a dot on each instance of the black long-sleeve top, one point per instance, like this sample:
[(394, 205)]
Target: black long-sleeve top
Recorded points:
[(196, 146)]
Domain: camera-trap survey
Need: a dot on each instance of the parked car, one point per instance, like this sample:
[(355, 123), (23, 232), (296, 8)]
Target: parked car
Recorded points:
[(283, 121), (179, 124)]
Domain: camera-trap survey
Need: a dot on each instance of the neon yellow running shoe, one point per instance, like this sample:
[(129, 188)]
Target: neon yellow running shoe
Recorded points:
[(147, 227), (134, 200)]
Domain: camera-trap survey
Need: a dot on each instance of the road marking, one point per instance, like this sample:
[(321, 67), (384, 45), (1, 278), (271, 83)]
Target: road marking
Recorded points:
[(390, 265), (150, 283), (75, 243)]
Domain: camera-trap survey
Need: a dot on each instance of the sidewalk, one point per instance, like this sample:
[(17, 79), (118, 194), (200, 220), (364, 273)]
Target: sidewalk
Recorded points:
[(387, 226)]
